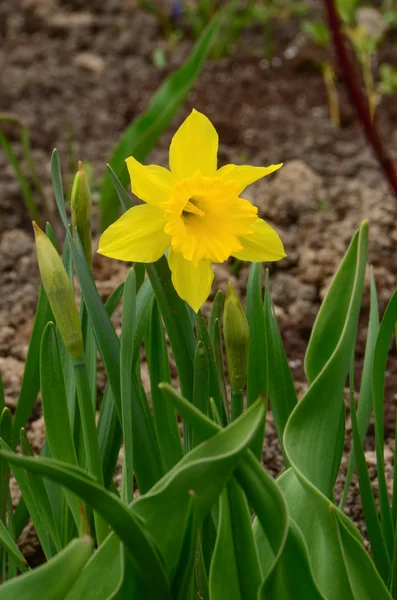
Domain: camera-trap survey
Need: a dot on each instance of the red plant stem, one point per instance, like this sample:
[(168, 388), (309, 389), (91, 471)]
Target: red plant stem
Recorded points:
[(358, 99)]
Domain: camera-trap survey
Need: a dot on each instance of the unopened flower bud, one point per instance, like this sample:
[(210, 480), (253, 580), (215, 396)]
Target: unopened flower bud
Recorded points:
[(82, 210), (60, 294), (236, 333)]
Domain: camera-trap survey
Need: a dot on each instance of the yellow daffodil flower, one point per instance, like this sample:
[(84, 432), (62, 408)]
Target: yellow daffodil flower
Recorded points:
[(195, 210)]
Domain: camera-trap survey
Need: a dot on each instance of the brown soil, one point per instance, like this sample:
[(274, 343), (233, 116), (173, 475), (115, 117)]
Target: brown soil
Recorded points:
[(87, 66)]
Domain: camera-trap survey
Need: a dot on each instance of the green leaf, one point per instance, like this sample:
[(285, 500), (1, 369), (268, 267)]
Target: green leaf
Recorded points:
[(142, 135), (31, 376), (378, 387), (215, 384), (56, 417), (257, 382), (10, 546), (378, 544), (177, 323), (125, 523), (282, 391), (126, 356), (52, 580), (101, 575), (312, 437), (292, 577), (365, 404), (261, 490), (201, 385), (224, 580), (364, 580), (159, 371), (205, 471)]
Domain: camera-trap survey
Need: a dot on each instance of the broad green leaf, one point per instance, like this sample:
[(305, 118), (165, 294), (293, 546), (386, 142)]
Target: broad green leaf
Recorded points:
[(292, 577), (283, 398), (307, 485), (223, 579), (183, 579), (246, 556), (312, 437), (141, 136), (127, 526), (364, 580), (261, 490), (52, 580), (203, 471), (257, 382), (101, 575)]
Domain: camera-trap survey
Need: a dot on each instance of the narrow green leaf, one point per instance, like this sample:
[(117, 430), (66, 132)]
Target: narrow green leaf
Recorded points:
[(365, 404), (10, 546), (141, 136), (177, 323), (215, 389), (126, 356), (159, 371), (56, 417), (52, 580), (122, 193), (201, 385), (216, 314), (31, 377), (385, 333), (378, 545), (257, 382), (23, 183), (282, 391), (44, 515)]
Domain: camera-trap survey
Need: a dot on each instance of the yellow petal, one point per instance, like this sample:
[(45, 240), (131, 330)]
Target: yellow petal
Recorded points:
[(194, 147), (138, 236), (244, 174), (192, 283), (150, 183), (264, 245)]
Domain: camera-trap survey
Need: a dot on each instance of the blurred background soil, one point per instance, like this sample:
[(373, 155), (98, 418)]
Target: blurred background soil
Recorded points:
[(78, 73)]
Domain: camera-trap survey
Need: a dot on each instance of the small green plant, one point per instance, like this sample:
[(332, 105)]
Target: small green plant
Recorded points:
[(318, 32)]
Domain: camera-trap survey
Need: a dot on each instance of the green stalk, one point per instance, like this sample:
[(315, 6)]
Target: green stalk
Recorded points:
[(91, 446), (237, 397)]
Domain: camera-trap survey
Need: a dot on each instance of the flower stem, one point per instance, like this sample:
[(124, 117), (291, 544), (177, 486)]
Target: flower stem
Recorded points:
[(91, 446)]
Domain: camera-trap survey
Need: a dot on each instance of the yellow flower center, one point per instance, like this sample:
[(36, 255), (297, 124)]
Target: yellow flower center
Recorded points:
[(205, 218)]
